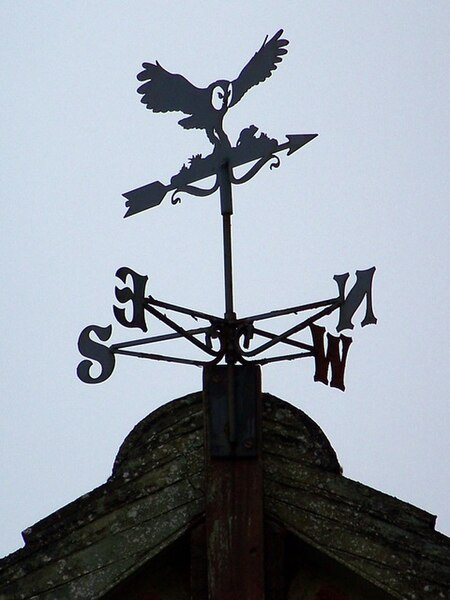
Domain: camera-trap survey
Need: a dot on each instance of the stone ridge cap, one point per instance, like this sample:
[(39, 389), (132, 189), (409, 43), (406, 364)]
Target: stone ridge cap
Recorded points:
[(151, 421), (388, 505), (74, 516), (363, 498), (179, 412), (397, 503), (165, 416), (62, 515), (299, 417), (32, 535)]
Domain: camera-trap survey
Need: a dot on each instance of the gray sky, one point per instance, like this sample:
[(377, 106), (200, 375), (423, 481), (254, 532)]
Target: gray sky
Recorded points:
[(371, 78)]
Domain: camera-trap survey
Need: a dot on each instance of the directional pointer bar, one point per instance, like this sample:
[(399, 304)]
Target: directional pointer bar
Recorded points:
[(153, 194)]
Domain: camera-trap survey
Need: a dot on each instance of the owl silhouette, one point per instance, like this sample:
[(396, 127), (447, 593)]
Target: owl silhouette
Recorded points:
[(206, 107)]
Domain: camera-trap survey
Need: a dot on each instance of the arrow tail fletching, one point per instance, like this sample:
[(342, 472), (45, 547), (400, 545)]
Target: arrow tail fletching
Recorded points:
[(147, 196)]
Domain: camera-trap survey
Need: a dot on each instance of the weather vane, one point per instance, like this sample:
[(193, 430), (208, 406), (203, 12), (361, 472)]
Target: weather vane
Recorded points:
[(225, 340)]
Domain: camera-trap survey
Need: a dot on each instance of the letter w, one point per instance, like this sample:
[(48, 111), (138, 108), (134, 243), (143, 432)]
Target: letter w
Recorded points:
[(331, 358)]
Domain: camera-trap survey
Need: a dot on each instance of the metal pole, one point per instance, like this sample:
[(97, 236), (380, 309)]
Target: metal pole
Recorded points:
[(226, 208), (228, 272)]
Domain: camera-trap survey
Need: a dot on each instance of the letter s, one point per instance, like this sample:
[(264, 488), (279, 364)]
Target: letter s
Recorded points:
[(99, 352)]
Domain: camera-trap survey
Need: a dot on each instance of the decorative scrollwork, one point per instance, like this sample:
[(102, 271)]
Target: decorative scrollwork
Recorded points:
[(175, 198), (243, 336), (194, 191), (211, 334), (255, 169), (276, 163)]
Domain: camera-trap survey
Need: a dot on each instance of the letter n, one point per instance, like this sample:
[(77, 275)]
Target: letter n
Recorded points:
[(333, 357), (350, 303)]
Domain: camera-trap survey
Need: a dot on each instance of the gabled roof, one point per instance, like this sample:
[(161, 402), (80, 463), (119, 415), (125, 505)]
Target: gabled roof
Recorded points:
[(156, 493)]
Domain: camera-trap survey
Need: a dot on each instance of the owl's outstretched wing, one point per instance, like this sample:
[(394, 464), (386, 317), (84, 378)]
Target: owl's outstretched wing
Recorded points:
[(164, 91), (260, 67)]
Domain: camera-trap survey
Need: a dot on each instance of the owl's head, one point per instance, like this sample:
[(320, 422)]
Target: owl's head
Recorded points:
[(221, 95)]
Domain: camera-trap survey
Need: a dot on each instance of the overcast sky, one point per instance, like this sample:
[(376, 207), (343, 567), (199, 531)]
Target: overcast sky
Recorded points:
[(372, 78)]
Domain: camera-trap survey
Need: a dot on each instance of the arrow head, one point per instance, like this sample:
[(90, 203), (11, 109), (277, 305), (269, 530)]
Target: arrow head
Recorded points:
[(298, 140)]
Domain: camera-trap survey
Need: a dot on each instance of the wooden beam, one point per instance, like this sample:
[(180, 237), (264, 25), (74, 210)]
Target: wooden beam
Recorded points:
[(234, 494)]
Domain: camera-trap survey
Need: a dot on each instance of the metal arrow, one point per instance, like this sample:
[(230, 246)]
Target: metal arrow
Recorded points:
[(152, 194)]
